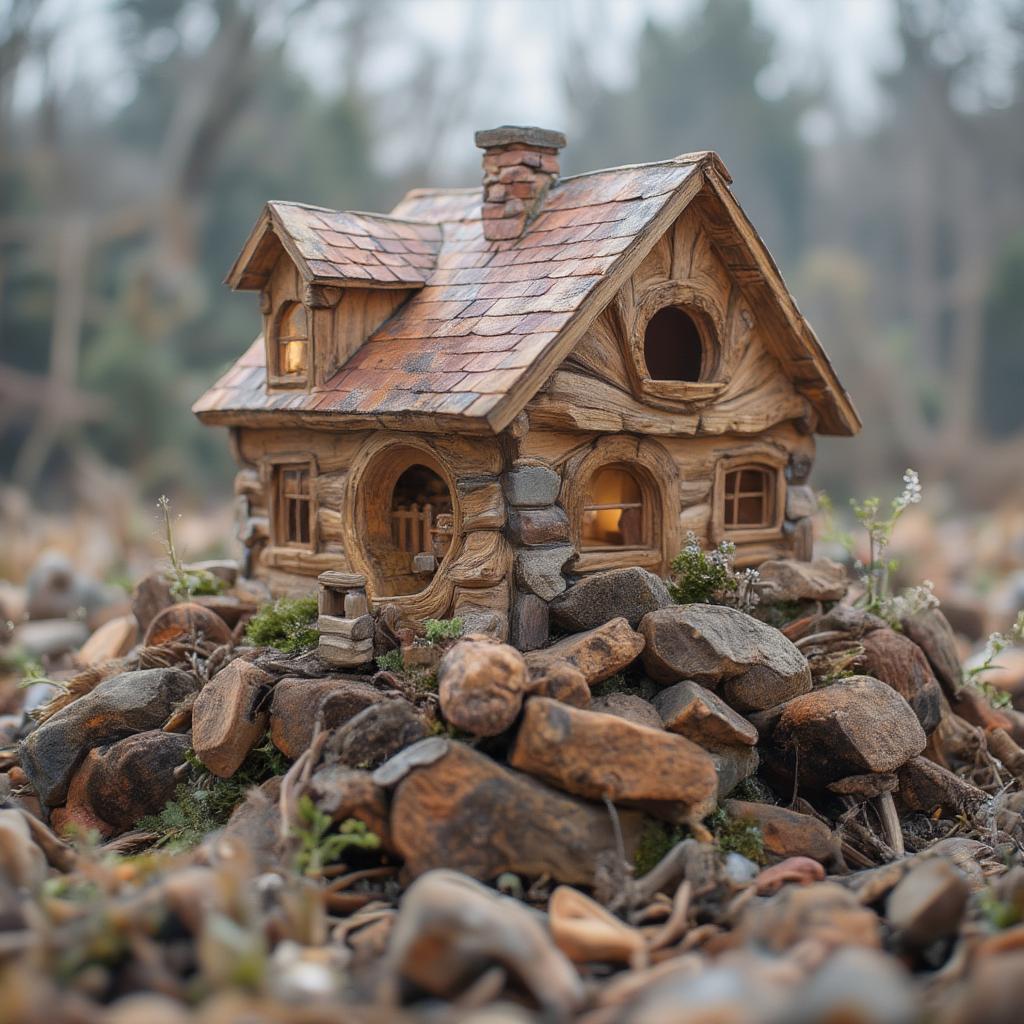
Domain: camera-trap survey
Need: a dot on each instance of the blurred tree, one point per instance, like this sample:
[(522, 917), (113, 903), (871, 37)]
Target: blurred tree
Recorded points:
[(697, 85)]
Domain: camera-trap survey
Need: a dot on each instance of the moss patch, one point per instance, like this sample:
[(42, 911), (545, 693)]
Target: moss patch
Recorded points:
[(289, 624), (657, 838)]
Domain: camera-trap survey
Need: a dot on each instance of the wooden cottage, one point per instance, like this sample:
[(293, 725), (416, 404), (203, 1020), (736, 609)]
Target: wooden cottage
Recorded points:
[(487, 391)]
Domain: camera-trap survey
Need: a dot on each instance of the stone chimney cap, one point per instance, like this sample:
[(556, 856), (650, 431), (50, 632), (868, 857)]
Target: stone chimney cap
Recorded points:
[(519, 135)]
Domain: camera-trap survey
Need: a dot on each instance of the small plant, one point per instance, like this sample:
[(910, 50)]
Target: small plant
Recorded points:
[(997, 643), (318, 846), (878, 570), (702, 577), (999, 914), (738, 835), (185, 583), (439, 630), (289, 624), (205, 803), (390, 661)]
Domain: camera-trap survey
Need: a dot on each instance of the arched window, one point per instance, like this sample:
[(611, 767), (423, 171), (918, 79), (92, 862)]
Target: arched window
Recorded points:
[(672, 346), (749, 496), (292, 341), (421, 513), (614, 511)]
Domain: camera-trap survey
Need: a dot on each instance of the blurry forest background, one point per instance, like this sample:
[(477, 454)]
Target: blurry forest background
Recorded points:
[(139, 138)]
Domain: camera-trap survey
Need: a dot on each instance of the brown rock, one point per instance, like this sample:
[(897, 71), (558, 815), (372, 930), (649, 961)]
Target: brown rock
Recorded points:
[(787, 580), (562, 681), (824, 913), (531, 526), (152, 594), (114, 639), (451, 930), (229, 716), (350, 793), (297, 703), (255, 826), (928, 903), (926, 787), (899, 662), (467, 812), (375, 734), (595, 755), (123, 704), (187, 623), (931, 631), (788, 833), (693, 711), (134, 777), (481, 686), (630, 707), (598, 654), (851, 727), (755, 664), (733, 765)]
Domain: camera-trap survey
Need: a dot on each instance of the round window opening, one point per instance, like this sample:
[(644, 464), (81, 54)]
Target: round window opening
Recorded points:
[(672, 346), (421, 514)]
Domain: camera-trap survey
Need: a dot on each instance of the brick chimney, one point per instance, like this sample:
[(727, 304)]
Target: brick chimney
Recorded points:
[(520, 165)]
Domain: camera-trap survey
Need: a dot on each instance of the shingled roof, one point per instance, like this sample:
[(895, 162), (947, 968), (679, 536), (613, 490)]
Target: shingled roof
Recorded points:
[(491, 320)]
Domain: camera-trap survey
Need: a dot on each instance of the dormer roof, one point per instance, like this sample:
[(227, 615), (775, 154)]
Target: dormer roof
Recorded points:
[(339, 248)]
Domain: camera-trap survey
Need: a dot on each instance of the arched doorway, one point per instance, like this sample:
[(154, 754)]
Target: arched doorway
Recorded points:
[(408, 520)]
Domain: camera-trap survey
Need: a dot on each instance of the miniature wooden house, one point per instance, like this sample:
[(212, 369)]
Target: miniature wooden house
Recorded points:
[(485, 392)]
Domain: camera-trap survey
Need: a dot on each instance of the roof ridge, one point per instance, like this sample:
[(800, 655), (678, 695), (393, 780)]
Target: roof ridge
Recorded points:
[(696, 157), (355, 213)]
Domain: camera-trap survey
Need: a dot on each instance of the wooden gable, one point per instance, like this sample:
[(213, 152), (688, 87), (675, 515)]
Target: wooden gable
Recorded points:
[(601, 385)]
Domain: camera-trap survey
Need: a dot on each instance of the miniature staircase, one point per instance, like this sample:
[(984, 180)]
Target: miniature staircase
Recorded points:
[(345, 623)]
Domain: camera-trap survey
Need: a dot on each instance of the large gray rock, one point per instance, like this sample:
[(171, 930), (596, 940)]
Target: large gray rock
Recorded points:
[(630, 593), (118, 707), (851, 727), (531, 486), (375, 734), (786, 579), (754, 665), (539, 570)]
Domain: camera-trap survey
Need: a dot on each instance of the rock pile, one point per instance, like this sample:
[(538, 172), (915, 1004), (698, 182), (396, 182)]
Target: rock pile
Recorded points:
[(672, 812)]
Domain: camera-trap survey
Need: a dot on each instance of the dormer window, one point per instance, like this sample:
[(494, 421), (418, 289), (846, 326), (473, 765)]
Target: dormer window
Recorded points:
[(292, 343)]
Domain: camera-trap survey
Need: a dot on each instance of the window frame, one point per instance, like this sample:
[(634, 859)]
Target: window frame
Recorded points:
[(646, 519), (768, 461), (279, 518), (658, 476), (275, 377), (709, 322)]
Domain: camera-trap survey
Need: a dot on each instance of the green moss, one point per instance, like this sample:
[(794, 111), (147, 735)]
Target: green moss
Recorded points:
[(781, 613), (638, 686), (390, 661), (289, 624), (657, 838), (438, 630), (753, 791), (998, 913), (738, 835), (205, 803)]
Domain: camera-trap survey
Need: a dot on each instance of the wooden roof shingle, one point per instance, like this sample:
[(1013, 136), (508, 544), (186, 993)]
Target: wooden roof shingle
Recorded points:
[(490, 320)]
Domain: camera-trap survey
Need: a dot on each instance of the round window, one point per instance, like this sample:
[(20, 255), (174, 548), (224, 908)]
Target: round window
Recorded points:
[(672, 346)]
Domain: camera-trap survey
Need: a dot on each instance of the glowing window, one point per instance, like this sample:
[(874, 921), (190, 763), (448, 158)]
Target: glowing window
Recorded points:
[(672, 346), (292, 341), (749, 497), (613, 515)]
